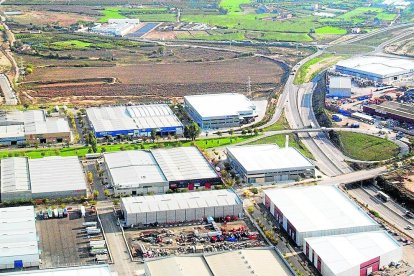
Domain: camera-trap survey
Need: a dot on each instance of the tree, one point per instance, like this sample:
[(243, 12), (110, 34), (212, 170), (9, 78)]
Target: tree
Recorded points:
[(107, 193), (192, 131), (153, 134), (95, 194), (91, 140), (89, 177)]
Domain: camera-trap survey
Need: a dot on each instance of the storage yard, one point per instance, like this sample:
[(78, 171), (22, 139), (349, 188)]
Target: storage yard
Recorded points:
[(190, 238), (75, 239)]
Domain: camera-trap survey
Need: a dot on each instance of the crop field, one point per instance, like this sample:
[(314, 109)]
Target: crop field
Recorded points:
[(63, 19), (366, 147), (233, 6), (144, 14), (359, 15), (154, 81), (331, 30)]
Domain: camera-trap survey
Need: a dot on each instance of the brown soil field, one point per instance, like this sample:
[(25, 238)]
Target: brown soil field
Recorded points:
[(50, 17), (156, 81)]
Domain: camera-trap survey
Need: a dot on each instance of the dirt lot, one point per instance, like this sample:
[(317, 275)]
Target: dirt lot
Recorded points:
[(50, 17), (191, 238), (403, 47), (63, 242), (157, 81)]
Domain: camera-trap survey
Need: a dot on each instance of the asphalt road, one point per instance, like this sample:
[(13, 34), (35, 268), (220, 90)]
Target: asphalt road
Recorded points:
[(7, 91)]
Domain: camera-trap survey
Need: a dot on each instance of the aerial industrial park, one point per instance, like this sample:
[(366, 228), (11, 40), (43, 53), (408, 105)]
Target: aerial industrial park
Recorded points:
[(229, 137)]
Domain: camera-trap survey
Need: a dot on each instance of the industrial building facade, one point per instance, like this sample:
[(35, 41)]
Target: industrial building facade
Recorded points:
[(382, 70), (135, 121), (392, 110), (139, 172), (216, 111), (134, 173), (18, 238), (258, 164), (340, 87), (316, 211), (31, 127), (352, 254), (48, 177), (180, 207)]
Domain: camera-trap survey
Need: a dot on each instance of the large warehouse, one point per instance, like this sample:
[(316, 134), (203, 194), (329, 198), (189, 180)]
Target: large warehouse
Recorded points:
[(48, 177), (258, 261), (18, 238), (180, 207), (316, 211), (186, 167), (215, 111), (258, 164), (340, 87), (138, 120), (32, 126), (14, 179), (135, 172), (392, 110), (352, 254), (382, 70)]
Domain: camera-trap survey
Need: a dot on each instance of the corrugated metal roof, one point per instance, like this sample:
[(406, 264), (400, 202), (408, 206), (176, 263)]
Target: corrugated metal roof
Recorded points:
[(318, 208), (11, 131), (184, 163), (379, 66), (114, 118), (343, 252), (340, 82), (262, 158), (56, 173), (18, 231), (218, 105), (133, 168), (93, 270), (181, 201), (14, 175)]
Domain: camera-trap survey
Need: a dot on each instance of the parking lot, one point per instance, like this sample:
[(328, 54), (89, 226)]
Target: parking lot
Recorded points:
[(188, 238), (63, 241)]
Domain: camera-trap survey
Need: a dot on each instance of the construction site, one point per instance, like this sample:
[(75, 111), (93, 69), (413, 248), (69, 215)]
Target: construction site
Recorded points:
[(189, 238)]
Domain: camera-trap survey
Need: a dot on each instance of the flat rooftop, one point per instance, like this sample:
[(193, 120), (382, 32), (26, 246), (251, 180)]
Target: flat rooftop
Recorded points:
[(183, 163), (405, 110), (342, 252), (378, 66), (340, 82), (92, 270), (219, 105), (263, 158), (18, 232), (11, 131), (247, 262), (133, 168), (318, 208), (113, 118), (14, 175), (56, 174), (179, 201)]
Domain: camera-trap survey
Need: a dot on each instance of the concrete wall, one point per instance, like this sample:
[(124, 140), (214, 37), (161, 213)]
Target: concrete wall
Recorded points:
[(7, 262)]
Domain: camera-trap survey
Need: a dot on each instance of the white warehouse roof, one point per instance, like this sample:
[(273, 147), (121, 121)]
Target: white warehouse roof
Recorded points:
[(246, 262), (378, 66), (219, 105), (11, 131), (93, 270), (113, 118), (56, 174), (180, 201), (18, 232), (342, 252), (14, 175), (318, 208), (183, 163), (340, 82), (133, 168), (262, 158)]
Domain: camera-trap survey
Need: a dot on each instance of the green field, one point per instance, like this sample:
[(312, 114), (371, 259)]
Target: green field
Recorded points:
[(143, 14), (213, 37), (281, 124), (302, 73), (295, 37), (279, 140), (367, 147), (71, 45), (110, 13), (81, 151), (232, 6), (331, 30), (359, 15)]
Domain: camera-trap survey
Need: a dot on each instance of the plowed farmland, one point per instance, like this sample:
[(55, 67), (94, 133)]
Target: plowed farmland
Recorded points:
[(152, 81)]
